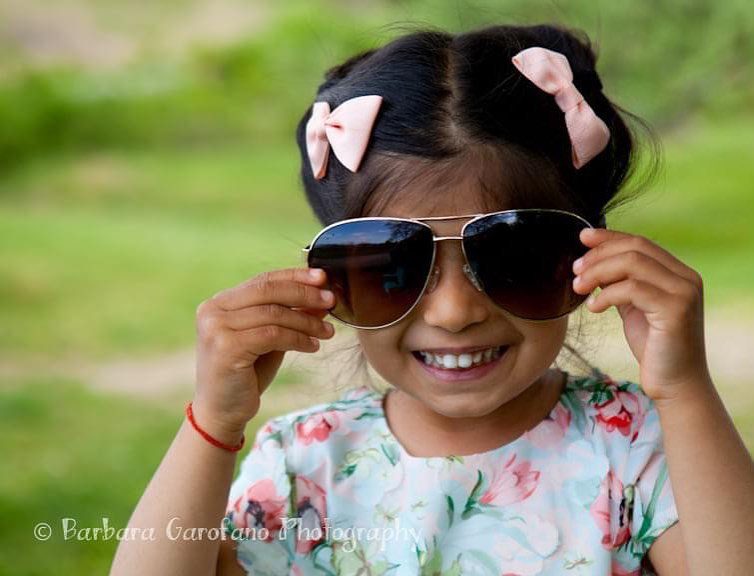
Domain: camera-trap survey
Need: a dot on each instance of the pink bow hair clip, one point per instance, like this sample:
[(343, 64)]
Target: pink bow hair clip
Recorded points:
[(346, 129), (551, 72)]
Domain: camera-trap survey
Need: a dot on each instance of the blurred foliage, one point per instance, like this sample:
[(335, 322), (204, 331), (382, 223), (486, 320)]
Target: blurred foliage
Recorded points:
[(255, 90), (663, 59)]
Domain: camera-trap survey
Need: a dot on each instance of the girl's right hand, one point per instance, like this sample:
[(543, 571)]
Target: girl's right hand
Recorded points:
[(242, 335)]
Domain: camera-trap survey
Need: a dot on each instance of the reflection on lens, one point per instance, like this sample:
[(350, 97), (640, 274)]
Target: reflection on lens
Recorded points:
[(524, 260), (376, 268)]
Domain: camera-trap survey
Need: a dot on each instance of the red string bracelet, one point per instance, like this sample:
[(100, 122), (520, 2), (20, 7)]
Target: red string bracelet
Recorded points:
[(210, 439)]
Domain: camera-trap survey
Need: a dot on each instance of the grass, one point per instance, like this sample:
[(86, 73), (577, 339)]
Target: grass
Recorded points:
[(144, 236), (71, 453)]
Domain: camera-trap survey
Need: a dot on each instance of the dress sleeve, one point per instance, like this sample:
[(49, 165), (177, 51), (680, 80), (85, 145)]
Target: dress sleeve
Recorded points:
[(648, 506), (259, 504)]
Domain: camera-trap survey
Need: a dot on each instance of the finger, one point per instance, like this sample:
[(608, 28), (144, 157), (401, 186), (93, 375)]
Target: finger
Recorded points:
[(309, 276), (255, 316), (624, 265), (316, 312), (604, 243), (287, 287), (644, 296), (264, 339), (319, 278)]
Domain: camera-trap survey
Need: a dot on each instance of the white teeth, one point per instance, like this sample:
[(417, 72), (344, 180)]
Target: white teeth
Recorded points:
[(451, 361)]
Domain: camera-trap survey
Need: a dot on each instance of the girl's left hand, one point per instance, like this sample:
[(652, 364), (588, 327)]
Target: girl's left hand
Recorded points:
[(660, 301)]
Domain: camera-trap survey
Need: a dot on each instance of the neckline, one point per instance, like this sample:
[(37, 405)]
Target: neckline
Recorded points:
[(379, 400)]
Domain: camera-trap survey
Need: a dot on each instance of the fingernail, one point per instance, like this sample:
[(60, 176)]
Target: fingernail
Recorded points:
[(327, 295), (578, 264), (315, 273)]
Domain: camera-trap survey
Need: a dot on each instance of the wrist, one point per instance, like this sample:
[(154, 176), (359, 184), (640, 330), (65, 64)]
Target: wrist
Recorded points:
[(220, 429), (696, 391)]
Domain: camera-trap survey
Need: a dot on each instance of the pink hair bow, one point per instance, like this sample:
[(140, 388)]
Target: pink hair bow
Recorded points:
[(346, 129), (551, 72)]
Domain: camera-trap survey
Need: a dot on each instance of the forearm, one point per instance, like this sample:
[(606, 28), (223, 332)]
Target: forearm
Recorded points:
[(712, 476), (190, 487)]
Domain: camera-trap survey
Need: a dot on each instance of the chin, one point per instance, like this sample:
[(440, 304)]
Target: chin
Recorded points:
[(473, 404)]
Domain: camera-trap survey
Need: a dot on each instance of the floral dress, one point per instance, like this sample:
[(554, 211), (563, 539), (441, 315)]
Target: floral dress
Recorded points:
[(330, 490)]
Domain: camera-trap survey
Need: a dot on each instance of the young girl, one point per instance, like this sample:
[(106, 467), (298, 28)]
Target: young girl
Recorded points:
[(463, 181)]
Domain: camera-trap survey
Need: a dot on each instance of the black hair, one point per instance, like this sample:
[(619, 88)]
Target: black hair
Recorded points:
[(454, 105)]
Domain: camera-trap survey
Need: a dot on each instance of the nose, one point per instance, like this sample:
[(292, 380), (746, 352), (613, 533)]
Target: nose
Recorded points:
[(453, 299)]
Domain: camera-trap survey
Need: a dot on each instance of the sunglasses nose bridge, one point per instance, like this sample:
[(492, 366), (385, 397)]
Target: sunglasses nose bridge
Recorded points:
[(435, 272)]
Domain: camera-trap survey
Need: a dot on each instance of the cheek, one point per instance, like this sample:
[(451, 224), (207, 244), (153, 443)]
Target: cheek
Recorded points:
[(382, 350), (544, 340)]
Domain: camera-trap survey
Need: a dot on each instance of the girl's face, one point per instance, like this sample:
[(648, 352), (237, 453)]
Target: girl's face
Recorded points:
[(456, 315)]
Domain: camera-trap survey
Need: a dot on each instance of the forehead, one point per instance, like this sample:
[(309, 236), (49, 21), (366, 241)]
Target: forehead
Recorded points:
[(479, 179), (451, 187), (449, 202)]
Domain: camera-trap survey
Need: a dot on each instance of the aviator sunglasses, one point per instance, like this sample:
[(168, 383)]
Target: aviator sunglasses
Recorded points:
[(379, 267)]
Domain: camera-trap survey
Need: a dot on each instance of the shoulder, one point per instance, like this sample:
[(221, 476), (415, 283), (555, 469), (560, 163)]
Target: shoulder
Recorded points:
[(617, 419), (614, 409), (322, 422), (299, 441), (621, 422)]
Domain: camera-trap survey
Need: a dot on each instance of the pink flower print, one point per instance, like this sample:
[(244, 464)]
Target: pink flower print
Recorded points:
[(622, 412), (317, 427), (311, 507), (549, 432), (512, 483), (267, 430), (610, 505), (260, 507)]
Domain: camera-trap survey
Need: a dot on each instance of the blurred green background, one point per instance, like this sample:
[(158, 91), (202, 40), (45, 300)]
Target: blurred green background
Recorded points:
[(147, 161)]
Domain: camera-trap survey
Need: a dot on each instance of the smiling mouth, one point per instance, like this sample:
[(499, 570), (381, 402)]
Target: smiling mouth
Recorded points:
[(460, 362)]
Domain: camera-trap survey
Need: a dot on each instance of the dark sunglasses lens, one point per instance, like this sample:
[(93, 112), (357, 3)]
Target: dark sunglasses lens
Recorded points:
[(376, 268), (524, 261)]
